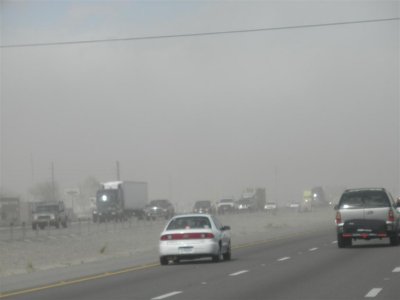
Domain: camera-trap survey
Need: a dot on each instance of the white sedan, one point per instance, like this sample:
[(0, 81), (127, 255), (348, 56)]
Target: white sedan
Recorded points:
[(192, 236)]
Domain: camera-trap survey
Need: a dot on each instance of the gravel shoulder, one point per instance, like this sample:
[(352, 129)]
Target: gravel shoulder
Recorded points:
[(30, 258)]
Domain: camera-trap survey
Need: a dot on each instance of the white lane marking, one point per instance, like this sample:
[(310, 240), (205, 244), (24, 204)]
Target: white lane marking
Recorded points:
[(284, 258), (334, 242), (396, 270), (373, 293), (238, 273), (167, 295), (312, 249)]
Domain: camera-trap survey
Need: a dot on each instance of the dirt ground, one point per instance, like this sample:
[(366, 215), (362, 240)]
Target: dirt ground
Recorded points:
[(28, 251)]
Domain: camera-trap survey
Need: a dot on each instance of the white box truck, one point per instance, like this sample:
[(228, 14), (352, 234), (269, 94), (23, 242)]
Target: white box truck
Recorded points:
[(120, 200)]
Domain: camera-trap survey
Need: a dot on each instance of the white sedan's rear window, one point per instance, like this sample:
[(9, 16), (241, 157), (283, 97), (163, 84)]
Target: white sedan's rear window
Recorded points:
[(189, 223)]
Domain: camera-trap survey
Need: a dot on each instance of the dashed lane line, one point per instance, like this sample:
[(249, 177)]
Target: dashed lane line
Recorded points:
[(313, 249), (373, 293), (283, 258), (166, 295), (396, 270), (238, 273)]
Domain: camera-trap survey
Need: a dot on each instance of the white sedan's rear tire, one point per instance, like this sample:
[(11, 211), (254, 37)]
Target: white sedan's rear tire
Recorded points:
[(218, 257), (228, 254)]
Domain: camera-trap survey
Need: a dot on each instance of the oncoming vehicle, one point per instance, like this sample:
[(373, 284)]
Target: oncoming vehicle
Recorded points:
[(246, 205), (366, 214), (120, 200), (254, 198), (226, 206), (192, 236), (203, 206), (306, 204), (271, 207), (49, 214), (294, 205), (159, 208)]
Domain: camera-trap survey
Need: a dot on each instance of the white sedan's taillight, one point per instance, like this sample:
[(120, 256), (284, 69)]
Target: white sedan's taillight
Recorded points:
[(188, 236)]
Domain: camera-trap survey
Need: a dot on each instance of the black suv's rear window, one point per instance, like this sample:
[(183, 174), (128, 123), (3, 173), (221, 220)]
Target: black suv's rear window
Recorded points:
[(364, 199)]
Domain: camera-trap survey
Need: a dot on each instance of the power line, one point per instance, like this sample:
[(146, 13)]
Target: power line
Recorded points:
[(183, 35)]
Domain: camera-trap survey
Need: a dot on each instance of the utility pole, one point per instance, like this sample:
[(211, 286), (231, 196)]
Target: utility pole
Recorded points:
[(276, 184), (118, 171), (53, 186), (170, 187), (32, 169)]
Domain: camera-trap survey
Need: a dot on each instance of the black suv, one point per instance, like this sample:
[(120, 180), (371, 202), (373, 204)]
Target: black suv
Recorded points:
[(368, 213), (203, 206), (159, 208)]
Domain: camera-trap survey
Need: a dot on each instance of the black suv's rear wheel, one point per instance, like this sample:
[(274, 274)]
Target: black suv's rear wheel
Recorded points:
[(163, 260), (394, 239), (343, 242)]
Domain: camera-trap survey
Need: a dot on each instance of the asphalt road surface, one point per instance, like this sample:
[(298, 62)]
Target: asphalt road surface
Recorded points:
[(307, 266)]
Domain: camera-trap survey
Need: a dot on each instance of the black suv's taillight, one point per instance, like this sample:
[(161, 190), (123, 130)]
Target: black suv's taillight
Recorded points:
[(338, 218)]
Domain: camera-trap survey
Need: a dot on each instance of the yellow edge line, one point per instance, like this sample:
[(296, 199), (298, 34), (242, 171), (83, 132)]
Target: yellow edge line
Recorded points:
[(79, 280), (137, 268)]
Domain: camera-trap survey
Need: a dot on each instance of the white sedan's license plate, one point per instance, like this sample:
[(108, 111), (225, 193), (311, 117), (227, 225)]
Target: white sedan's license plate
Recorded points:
[(185, 250)]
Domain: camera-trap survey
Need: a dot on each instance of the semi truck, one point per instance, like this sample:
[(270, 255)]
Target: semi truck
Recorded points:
[(318, 196), (252, 199), (120, 200)]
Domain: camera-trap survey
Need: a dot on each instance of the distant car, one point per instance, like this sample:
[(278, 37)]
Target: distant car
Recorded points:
[(192, 236), (271, 207), (294, 205), (203, 206), (368, 213), (159, 208), (244, 205), (226, 206), (305, 206)]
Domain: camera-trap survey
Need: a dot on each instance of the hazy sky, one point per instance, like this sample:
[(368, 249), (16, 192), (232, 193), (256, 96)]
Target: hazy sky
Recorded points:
[(201, 117)]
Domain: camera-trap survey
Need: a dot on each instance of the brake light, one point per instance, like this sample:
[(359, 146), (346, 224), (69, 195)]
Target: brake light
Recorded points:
[(390, 215), (338, 218), (187, 236)]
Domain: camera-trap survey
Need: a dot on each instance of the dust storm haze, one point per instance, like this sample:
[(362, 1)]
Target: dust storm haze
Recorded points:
[(204, 116)]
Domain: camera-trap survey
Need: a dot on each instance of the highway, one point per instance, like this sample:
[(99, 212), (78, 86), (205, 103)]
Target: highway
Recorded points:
[(306, 266)]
